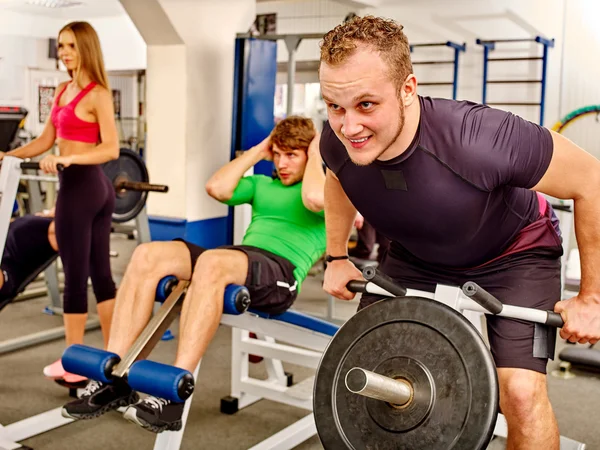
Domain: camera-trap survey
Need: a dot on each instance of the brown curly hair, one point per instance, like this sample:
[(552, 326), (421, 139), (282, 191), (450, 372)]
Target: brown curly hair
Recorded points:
[(383, 35), (293, 133)]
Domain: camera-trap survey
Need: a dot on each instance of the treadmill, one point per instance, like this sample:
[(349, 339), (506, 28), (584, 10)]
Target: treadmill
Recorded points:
[(11, 118)]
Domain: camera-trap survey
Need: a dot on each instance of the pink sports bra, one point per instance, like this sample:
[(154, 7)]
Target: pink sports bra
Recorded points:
[(68, 125)]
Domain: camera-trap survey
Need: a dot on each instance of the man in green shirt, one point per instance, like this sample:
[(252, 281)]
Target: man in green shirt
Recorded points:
[(286, 236)]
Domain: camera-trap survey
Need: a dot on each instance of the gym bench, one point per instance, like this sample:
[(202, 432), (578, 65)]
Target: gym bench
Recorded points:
[(274, 334)]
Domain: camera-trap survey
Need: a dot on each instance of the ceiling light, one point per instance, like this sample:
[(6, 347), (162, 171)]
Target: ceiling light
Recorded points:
[(53, 3)]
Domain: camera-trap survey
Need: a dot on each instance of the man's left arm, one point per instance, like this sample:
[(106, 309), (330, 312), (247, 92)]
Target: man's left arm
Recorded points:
[(313, 182), (575, 174)]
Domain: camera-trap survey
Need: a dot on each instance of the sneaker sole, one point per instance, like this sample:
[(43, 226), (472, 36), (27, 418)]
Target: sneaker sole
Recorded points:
[(131, 415), (103, 410)]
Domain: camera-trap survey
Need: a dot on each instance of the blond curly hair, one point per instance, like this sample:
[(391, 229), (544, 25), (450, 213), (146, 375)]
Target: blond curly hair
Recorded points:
[(383, 35)]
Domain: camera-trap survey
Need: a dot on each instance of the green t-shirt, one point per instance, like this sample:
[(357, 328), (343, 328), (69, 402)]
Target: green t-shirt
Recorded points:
[(281, 224)]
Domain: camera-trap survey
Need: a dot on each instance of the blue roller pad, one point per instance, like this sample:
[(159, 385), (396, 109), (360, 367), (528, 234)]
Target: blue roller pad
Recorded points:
[(160, 380), (87, 361), (231, 293), (161, 294)]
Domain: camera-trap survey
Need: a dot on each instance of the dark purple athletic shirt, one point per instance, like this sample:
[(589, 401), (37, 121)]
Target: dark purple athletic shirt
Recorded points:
[(459, 196)]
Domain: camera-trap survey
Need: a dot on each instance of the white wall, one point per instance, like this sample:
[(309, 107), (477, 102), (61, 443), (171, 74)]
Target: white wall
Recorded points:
[(166, 94), (122, 45), (17, 55), (208, 29), (581, 71)]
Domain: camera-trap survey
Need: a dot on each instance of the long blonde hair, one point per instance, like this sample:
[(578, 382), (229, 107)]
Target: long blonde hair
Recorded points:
[(90, 58)]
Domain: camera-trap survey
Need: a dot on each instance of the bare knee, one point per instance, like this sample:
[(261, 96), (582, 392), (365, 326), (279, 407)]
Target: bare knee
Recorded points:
[(522, 392), (144, 259), (219, 267)]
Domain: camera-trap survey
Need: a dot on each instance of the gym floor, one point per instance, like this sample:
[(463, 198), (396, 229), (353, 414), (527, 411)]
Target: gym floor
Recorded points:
[(25, 392)]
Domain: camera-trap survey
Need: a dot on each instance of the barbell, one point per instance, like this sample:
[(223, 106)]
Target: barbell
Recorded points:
[(129, 177), (411, 373)]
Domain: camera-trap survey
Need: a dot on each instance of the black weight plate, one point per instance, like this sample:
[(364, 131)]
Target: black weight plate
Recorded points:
[(455, 404), (128, 167)]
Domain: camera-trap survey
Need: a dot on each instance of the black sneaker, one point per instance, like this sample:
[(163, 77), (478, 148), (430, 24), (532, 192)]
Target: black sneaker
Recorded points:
[(156, 414), (98, 398)]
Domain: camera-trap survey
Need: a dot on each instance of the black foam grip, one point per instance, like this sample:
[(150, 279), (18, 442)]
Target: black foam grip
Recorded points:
[(554, 320), (357, 286), (483, 297), (383, 281), (36, 166)]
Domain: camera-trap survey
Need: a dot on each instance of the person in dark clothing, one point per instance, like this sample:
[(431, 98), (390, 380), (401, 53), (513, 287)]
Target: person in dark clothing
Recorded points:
[(456, 186), (30, 243), (367, 238)]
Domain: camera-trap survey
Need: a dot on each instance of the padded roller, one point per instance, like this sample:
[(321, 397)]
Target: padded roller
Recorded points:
[(90, 362), (578, 356), (161, 380), (236, 299), (164, 287)]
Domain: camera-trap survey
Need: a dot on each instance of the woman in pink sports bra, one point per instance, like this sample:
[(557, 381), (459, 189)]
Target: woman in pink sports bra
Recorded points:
[(83, 126)]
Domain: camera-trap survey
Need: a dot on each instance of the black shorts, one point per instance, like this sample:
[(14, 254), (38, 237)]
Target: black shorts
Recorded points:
[(530, 279), (270, 279)]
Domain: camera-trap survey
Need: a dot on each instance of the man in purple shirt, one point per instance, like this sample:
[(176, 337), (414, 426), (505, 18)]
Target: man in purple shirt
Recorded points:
[(455, 186)]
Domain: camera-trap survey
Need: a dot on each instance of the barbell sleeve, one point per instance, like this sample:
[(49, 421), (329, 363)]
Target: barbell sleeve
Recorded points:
[(373, 385), (141, 186)]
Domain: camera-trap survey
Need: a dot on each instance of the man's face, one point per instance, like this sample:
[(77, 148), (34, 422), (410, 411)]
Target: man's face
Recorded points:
[(290, 165), (363, 106)]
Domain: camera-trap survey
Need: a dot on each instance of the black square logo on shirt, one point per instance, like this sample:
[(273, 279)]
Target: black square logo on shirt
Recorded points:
[(394, 180)]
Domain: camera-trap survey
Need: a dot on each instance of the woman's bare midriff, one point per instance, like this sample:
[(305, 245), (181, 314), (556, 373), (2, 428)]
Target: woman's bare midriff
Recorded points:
[(70, 148)]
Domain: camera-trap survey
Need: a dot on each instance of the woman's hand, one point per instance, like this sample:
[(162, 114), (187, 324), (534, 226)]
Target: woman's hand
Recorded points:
[(49, 163)]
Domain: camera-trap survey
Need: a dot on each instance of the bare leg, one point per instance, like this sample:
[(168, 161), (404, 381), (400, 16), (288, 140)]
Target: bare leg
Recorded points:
[(105, 313), (525, 404), (74, 328), (203, 304), (135, 297)]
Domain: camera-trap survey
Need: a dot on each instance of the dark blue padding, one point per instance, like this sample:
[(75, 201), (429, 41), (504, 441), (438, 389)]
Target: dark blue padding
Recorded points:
[(161, 288), (302, 320), (89, 362), (230, 298), (160, 380)]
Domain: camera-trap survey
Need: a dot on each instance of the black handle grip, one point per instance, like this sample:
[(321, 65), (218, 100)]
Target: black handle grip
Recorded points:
[(36, 166), (357, 286), (554, 320), (558, 207), (383, 281), (483, 297)]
